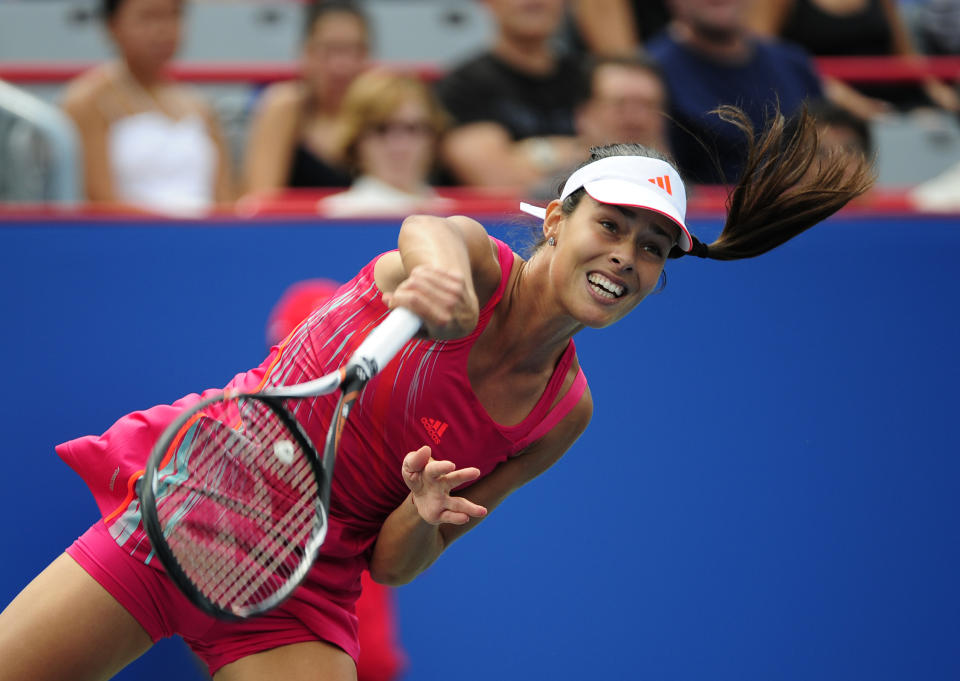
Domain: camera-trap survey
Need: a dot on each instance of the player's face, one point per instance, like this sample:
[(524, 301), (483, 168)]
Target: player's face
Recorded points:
[(147, 32), (334, 53), (608, 258), (399, 150)]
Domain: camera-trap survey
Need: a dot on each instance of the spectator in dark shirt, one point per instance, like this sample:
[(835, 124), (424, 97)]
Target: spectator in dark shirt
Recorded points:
[(709, 58), (514, 104), (850, 28), (627, 104), (616, 27), (293, 128)]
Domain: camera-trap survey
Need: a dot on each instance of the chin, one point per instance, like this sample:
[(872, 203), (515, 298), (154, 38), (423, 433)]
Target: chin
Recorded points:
[(593, 320)]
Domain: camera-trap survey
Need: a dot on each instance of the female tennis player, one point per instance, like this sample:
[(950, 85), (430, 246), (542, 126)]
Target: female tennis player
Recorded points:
[(489, 398)]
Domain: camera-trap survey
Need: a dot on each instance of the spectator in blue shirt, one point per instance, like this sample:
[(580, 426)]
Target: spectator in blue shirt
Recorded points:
[(709, 58)]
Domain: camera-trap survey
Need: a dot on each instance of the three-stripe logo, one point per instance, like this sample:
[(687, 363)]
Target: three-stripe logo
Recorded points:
[(663, 182), (434, 428)]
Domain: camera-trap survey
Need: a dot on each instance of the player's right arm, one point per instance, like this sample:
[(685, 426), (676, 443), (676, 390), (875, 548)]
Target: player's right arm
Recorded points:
[(443, 271)]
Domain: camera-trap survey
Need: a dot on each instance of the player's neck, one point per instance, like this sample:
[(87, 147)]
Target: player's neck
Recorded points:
[(532, 332)]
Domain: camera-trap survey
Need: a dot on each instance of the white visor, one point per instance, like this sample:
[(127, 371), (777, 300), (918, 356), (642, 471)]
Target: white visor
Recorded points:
[(635, 181)]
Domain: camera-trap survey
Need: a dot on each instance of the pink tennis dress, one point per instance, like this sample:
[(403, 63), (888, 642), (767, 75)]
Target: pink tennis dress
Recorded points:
[(422, 397)]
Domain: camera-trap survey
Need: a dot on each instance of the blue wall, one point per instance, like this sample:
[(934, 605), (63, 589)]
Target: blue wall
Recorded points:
[(780, 502)]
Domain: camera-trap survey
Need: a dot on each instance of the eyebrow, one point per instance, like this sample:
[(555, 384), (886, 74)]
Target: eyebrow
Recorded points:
[(629, 213)]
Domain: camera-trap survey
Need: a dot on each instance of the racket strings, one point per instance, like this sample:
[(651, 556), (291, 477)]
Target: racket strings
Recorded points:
[(238, 507)]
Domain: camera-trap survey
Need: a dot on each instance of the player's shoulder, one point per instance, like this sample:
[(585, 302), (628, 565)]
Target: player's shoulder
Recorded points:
[(582, 411), (574, 422), (483, 250)]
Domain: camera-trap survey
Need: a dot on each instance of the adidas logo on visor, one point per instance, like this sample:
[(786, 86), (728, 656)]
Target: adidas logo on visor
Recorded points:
[(663, 182)]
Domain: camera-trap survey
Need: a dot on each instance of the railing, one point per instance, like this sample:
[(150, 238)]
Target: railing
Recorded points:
[(851, 69), (304, 205), (36, 136)]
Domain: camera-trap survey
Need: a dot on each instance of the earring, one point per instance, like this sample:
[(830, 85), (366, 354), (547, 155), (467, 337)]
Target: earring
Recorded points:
[(552, 241)]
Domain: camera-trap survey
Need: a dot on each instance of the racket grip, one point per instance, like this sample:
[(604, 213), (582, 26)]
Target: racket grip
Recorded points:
[(385, 341)]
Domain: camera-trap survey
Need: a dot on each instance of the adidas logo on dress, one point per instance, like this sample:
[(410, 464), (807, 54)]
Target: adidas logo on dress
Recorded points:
[(434, 428)]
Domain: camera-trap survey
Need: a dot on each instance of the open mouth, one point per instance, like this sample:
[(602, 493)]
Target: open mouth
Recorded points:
[(604, 287)]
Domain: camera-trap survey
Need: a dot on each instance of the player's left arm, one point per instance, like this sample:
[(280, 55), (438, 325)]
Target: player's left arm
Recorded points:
[(431, 518)]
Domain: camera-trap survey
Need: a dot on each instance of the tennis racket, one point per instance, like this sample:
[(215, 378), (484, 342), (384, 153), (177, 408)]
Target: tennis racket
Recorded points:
[(235, 498)]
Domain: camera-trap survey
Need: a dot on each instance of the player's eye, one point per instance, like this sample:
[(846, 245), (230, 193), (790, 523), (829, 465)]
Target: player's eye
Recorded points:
[(654, 249)]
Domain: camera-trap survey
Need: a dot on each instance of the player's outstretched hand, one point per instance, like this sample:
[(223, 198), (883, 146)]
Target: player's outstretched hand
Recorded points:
[(431, 481)]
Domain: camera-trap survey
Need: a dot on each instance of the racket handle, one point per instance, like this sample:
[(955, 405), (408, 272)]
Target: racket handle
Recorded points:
[(385, 341)]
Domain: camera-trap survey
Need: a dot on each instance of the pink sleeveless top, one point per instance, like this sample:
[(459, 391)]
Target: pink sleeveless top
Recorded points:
[(422, 397)]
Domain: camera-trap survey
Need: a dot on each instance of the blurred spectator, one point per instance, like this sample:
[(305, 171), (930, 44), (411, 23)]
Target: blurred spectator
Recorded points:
[(381, 656), (841, 134), (147, 142), (940, 194), (627, 103), (709, 57), (938, 25), (388, 132), (617, 27), (859, 28), (840, 129), (292, 132), (513, 105)]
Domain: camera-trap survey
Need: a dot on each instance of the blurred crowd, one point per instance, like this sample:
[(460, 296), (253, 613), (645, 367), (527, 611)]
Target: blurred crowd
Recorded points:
[(558, 77)]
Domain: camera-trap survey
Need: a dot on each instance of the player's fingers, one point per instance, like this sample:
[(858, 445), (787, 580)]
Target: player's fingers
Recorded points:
[(437, 471), (460, 477), (454, 518), (464, 505), (425, 305), (431, 294), (416, 461)]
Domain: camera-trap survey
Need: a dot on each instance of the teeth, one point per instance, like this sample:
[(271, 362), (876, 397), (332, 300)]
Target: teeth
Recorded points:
[(604, 285)]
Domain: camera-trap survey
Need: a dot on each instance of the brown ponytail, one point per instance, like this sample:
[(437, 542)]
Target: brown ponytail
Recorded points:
[(788, 185)]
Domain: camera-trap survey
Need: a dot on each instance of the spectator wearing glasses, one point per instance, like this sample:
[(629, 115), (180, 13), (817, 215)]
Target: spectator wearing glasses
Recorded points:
[(388, 132)]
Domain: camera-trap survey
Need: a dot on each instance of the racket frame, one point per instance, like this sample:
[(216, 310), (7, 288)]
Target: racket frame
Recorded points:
[(151, 522), (376, 350)]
